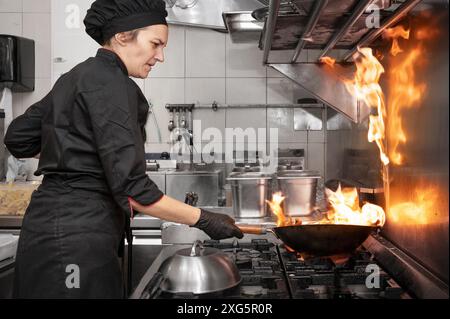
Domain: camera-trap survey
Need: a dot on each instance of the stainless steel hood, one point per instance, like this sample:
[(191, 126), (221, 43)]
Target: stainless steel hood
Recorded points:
[(206, 13), (326, 25)]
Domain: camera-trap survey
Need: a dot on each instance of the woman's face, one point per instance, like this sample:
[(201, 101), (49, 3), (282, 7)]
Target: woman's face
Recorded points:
[(141, 54)]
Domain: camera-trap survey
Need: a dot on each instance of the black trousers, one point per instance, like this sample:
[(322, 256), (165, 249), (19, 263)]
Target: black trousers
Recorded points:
[(69, 243)]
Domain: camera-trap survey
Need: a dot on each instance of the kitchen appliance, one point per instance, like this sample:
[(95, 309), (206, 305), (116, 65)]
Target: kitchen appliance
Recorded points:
[(291, 159), (199, 270), (250, 191), (205, 185), (17, 63), (269, 271), (299, 189)]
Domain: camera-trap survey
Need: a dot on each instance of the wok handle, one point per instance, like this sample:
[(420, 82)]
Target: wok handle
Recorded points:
[(252, 229)]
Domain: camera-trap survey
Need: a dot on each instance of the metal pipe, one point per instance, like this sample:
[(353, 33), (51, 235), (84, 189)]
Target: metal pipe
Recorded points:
[(357, 13), (403, 9), (274, 7), (318, 8)]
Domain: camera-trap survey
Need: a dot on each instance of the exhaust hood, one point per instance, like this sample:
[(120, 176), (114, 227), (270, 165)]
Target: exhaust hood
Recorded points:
[(207, 13), (326, 25)]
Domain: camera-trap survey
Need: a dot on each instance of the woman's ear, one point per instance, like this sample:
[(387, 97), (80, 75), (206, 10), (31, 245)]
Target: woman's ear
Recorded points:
[(121, 38)]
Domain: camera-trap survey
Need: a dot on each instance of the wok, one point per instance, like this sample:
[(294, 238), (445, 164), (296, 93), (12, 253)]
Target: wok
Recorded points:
[(317, 239)]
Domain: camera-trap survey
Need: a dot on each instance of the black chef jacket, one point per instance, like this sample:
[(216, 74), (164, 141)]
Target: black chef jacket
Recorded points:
[(90, 129)]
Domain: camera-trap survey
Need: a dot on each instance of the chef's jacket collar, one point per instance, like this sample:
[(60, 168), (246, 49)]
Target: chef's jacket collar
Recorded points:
[(113, 58)]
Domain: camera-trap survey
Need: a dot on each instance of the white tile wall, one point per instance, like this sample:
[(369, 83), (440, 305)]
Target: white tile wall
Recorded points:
[(205, 90), (205, 53), (36, 26), (174, 55), (245, 118), (243, 60), (246, 91), (36, 5), (161, 92), (210, 119), (42, 87), (10, 6), (11, 23)]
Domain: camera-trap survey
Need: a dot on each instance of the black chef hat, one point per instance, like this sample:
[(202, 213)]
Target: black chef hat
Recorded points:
[(105, 18)]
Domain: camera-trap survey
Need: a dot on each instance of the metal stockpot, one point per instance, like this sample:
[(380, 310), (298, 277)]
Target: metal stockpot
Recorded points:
[(199, 270), (299, 188), (250, 192)]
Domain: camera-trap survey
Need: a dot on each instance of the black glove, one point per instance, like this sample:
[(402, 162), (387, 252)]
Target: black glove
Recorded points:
[(217, 226)]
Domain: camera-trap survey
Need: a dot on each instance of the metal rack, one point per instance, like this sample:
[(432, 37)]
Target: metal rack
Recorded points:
[(314, 16)]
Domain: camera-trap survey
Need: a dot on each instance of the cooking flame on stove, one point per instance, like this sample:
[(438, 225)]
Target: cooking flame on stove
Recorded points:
[(366, 88), (394, 34), (328, 61), (345, 209), (277, 210)]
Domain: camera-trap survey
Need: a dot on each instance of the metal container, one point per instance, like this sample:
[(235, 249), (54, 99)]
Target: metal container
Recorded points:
[(199, 270), (205, 184), (250, 192), (299, 188)]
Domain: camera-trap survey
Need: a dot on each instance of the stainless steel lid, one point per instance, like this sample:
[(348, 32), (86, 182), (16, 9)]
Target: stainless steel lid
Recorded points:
[(293, 174), (199, 270), (236, 176)]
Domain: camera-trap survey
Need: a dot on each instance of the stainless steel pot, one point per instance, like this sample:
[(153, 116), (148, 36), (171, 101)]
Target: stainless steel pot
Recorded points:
[(199, 270), (250, 192), (299, 188)]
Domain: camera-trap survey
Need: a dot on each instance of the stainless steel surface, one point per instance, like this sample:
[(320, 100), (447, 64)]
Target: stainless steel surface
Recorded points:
[(425, 173), (199, 270), (308, 119), (204, 183), (208, 13), (357, 12), (159, 178), (145, 221), (307, 32), (325, 85), (243, 28), (270, 28), (299, 189), (250, 192), (406, 270), (336, 121), (368, 38)]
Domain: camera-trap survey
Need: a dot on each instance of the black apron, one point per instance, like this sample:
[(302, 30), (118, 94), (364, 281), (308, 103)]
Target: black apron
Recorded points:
[(67, 228)]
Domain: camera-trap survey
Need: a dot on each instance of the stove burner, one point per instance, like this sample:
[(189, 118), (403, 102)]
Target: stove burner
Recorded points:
[(270, 271)]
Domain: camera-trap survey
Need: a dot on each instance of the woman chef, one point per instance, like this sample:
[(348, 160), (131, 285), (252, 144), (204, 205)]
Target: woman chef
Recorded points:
[(89, 131)]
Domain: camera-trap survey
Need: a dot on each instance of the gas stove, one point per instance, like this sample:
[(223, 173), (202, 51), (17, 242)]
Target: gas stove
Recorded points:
[(269, 271)]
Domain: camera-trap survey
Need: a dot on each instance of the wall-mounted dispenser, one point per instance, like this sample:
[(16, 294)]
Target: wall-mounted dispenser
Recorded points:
[(17, 63)]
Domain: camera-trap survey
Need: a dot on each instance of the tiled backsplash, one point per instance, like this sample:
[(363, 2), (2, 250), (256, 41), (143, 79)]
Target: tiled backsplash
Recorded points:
[(201, 66)]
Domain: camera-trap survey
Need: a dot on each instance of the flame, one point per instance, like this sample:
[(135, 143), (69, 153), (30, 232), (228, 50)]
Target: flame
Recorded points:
[(277, 210), (345, 209), (394, 34), (366, 88), (418, 209), (405, 90), (328, 61)]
